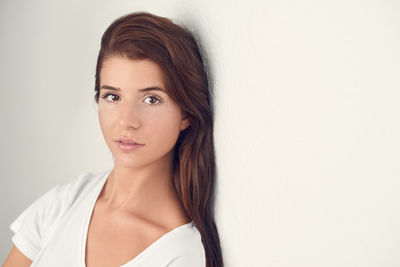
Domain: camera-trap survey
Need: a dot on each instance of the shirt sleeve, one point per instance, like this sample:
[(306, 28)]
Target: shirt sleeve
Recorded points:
[(29, 226)]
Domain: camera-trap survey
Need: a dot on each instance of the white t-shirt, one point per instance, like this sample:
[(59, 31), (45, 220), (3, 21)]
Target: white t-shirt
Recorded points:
[(52, 231)]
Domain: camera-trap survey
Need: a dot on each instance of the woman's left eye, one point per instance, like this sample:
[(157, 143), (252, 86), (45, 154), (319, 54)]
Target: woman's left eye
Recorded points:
[(154, 100)]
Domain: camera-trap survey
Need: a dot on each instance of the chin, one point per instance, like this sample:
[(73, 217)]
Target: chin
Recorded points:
[(126, 160)]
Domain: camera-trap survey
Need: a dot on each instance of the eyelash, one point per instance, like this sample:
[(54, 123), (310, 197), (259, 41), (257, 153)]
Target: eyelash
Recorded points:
[(153, 96)]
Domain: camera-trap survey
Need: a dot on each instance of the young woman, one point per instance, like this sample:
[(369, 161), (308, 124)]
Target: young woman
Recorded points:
[(154, 207)]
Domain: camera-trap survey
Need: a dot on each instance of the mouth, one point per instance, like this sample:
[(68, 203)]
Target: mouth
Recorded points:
[(128, 145), (127, 141)]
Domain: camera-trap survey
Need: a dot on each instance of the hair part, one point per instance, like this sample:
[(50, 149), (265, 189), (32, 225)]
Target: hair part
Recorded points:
[(142, 35)]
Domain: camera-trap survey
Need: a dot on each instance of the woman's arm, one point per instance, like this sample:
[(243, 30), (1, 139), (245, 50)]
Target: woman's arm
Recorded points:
[(17, 259)]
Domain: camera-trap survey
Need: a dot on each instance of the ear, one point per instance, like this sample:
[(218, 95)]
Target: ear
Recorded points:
[(184, 123)]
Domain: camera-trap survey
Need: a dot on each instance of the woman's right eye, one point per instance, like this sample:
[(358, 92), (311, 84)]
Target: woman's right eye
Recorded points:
[(107, 96)]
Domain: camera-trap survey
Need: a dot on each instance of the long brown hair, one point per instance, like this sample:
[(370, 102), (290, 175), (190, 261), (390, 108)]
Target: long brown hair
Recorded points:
[(142, 35)]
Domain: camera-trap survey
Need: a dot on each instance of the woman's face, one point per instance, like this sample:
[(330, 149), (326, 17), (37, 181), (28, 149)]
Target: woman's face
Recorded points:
[(138, 108)]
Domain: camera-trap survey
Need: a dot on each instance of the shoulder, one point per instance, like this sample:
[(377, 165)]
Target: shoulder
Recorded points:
[(188, 247), (58, 200), (32, 225), (180, 247), (79, 187), (185, 238), (62, 197)]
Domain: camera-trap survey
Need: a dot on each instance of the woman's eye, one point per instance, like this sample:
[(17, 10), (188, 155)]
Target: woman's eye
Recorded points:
[(107, 96), (153, 100), (149, 100)]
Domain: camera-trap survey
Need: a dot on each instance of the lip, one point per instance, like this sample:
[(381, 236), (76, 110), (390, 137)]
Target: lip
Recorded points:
[(128, 147), (126, 140)]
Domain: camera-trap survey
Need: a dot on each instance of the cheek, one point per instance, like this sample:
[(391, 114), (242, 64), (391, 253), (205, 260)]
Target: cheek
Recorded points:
[(105, 120), (164, 129)]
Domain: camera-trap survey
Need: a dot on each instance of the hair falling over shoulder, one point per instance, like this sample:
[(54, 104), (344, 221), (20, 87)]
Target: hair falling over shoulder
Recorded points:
[(142, 35)]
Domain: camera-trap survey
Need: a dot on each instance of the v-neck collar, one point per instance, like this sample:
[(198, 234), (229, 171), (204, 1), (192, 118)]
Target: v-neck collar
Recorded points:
[(143, 252), (90, 213), (153, 245)]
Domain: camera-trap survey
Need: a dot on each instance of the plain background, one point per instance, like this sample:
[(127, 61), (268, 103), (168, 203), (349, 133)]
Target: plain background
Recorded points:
[(306, 129)]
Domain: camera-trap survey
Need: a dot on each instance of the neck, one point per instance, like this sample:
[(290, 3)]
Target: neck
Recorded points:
[(135, 189)]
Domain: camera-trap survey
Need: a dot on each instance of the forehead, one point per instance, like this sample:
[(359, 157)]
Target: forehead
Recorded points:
[(125, 73)]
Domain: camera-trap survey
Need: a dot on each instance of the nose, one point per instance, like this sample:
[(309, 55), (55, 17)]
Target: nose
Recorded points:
[(130, 115)]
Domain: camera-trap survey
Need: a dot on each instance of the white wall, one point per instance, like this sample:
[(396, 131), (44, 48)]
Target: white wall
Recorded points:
[(307, 119)]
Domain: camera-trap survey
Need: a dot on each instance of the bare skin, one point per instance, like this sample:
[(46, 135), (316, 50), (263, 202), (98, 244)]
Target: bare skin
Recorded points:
[(116, 236), (16, 259), (137, 204)]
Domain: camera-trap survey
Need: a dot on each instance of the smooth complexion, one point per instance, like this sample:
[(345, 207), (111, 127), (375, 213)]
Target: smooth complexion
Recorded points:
[(137, 204), (149, 117)]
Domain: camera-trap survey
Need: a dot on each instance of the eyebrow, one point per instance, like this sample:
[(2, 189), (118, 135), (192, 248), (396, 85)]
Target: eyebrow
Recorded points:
[(152, 88)]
